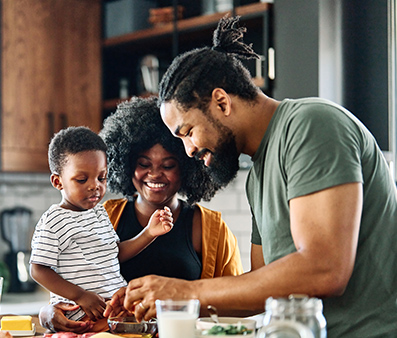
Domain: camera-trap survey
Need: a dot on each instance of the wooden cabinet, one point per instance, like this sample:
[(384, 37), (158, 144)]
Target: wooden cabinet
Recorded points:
[(50, 75), (122, 54)]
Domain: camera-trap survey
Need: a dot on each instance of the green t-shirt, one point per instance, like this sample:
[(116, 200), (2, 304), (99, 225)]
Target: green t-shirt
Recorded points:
[(313, 144)]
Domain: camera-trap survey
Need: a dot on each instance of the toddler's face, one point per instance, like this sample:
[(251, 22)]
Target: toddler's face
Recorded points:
[(83, 180)]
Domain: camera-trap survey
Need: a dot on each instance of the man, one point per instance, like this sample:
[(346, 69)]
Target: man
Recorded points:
[(324, 206)]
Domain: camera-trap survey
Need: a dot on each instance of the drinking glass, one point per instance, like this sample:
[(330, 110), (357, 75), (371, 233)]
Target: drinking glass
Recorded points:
[(177, 318), (1, 286)]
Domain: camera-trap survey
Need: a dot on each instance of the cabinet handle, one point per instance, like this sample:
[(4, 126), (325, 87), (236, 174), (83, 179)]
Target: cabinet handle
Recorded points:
[(64, 120), (51, 125), (271, 63)]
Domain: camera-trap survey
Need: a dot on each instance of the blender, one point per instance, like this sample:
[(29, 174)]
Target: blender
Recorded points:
[(17, 229)]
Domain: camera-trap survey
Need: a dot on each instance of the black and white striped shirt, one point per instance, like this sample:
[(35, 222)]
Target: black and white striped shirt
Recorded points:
[(81, 246)]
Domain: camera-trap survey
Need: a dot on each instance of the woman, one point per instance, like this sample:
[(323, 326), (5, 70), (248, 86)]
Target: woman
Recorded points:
[(149, 166)]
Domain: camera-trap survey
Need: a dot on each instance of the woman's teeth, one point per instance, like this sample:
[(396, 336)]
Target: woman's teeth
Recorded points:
[(155, 185)]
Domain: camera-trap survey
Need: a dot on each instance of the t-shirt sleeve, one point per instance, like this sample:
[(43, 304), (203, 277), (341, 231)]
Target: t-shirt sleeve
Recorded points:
[(255, 236), (45, 245), (322, 150)]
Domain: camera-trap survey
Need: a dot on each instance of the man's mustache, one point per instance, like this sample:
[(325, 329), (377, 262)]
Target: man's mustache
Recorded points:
[(201, 153)]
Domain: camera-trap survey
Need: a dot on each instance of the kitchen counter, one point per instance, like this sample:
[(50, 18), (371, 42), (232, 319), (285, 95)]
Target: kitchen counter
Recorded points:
[(24, 303)]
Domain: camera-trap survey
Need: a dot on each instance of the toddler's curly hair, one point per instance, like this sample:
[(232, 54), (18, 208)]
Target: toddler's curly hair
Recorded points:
[(72, 140), (135, 127)]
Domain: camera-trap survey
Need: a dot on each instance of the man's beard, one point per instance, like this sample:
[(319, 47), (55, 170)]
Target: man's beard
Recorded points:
[(225, 159)]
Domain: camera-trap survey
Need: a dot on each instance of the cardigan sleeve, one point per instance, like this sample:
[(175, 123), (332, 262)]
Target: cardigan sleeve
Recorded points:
[(220, 251), (115, 208)]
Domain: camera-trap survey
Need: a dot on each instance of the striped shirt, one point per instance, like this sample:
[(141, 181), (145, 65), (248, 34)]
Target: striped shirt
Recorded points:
[(81, 246)]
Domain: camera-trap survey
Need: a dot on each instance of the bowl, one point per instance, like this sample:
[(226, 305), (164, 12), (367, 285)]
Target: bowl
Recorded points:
[(129, 327), (205, 324)]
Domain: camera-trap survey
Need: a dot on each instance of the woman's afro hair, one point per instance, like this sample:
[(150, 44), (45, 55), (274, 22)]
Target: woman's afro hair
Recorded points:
[(135, 127)]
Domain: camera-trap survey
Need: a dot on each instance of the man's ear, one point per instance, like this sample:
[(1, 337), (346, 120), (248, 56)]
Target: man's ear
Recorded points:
[(56, 181), (222, 100)]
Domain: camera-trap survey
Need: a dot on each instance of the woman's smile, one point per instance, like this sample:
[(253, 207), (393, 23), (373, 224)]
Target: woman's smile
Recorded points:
[(157, 175), (154, 185)]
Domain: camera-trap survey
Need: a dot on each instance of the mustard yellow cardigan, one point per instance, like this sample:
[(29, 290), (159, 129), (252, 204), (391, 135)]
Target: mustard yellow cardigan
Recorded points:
[(220, 252)]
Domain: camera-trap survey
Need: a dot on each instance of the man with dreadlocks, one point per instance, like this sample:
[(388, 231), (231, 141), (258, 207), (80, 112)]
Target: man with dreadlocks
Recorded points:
[(323, 203)]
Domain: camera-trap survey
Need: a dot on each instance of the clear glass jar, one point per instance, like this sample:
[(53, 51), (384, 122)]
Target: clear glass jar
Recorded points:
[(284, 317)]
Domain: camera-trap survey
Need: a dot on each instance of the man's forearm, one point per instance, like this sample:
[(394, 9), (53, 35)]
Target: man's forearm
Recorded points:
[(246, 294)]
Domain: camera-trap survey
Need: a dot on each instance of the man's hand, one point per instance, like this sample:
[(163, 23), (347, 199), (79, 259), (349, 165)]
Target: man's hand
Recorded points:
[(115, 306), (142, 293), (52, 317)]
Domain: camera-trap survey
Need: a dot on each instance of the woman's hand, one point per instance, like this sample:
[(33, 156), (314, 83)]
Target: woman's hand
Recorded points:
[(52, 317)]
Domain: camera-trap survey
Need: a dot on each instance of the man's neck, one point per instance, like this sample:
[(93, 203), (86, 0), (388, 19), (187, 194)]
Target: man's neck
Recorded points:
[(260, 114)]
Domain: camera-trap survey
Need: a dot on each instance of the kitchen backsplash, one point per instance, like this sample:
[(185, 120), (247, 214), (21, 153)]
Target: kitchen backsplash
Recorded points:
[(35, 192)]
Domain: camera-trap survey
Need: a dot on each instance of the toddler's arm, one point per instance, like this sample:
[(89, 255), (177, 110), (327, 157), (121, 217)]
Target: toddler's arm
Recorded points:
[(91, 303), (159, 224)]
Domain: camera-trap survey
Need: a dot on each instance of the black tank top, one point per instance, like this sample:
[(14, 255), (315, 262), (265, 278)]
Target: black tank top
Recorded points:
[(170, 255)]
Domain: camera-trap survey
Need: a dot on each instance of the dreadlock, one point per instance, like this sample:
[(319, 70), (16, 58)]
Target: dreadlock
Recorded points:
[(229, 38), (135, 127), (193, 75)]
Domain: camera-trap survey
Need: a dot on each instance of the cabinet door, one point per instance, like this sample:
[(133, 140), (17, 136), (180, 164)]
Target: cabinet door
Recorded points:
[(50, 76), (82, 62)]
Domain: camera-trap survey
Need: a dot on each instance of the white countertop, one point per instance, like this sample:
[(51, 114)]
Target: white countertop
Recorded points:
[(24, 303), (31, 303)]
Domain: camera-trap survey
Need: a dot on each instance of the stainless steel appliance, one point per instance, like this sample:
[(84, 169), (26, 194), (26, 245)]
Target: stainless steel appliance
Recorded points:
[(17, 229)]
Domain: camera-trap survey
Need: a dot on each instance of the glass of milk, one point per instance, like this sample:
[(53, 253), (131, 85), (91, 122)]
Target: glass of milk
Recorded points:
[(1, 286), (177, 318)]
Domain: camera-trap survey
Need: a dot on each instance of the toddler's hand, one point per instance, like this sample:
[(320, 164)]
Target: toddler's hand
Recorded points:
[(92, 304), (160, 222)]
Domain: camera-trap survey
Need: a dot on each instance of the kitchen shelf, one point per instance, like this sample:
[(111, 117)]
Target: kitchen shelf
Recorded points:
[(185, 26), (121, 54)]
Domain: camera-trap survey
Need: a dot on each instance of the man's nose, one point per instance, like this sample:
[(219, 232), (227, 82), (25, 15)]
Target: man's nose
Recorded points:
[(190, 148)]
